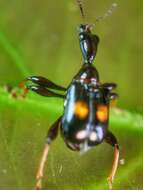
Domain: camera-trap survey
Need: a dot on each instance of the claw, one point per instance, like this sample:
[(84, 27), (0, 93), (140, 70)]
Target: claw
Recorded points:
[(38, 185)]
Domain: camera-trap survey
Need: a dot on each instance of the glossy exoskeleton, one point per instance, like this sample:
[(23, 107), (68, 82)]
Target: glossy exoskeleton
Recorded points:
[(84, 123)]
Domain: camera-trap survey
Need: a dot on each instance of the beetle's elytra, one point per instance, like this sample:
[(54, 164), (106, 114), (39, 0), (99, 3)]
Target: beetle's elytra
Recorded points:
[(84, 122)]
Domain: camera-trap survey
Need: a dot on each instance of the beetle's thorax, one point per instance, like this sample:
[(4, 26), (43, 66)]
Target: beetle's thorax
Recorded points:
[(87, 75)]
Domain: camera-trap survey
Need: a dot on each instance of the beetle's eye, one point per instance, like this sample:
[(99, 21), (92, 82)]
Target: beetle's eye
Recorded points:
[(81, 109), (102, 113)]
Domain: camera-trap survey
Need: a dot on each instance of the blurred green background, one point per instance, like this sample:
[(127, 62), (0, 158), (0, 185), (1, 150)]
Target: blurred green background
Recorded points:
[(41, 38)]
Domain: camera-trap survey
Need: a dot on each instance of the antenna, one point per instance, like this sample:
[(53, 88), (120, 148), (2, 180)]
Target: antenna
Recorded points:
[(80, 4), (108, 13)]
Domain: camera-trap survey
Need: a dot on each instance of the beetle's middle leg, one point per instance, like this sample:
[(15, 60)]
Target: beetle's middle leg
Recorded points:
[(52, 134), (111, 139), (111, 96)]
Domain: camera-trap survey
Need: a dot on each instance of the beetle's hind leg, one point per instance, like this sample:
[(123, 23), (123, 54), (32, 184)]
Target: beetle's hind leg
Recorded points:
[(52, 134), (42, 87), (111, 139), (111, 96)]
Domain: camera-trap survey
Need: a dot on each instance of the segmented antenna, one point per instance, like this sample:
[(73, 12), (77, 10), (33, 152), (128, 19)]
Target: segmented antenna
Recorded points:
[(80, 3), (108, 13)]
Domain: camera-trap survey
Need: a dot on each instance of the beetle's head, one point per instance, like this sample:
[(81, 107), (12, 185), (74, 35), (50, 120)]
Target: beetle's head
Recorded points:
[(85, 28)]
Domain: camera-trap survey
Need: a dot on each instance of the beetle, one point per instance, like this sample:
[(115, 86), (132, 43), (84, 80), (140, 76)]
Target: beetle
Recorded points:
[(84, 122)]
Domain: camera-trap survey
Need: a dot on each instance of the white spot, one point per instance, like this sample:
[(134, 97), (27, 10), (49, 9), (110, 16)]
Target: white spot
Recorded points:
[(93, 136), (81, 81), (93, 81), (100, 133), (84, 75), (81, 134)]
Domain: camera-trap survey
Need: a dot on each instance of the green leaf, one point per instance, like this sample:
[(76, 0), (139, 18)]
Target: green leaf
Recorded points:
[(13, 54)]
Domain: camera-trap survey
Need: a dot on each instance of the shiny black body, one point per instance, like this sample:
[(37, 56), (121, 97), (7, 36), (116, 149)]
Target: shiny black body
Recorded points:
[(86, 87)]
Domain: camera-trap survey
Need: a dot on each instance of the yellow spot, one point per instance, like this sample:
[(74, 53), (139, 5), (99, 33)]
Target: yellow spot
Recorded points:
[(102, 113), (81, 109)]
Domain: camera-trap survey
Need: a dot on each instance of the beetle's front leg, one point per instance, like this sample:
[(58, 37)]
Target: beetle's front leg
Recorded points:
[(39, 88), (44, 91), (52, 134), (111, 139), (44, 82), (41, 82)]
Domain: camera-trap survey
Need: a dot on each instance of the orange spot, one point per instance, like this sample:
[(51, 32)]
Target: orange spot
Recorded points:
[(102, 113), (81, 109)]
